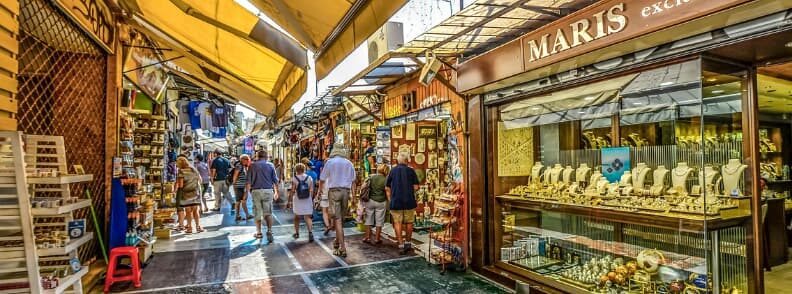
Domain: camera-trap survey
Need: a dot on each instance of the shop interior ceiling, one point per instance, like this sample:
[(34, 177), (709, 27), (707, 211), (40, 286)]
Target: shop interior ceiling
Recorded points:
[(331, 30), (225, 45)]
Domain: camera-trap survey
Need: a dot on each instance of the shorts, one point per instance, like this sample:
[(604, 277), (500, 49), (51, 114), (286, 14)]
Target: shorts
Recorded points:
[(324, 202), (375, 213), (262, 202), (339, 202), (239, 194), (403, 216)]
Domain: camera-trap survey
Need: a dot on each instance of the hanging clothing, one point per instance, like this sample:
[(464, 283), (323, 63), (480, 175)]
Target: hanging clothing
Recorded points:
[(218, 132), (184, 112), (220, 116), (205, 114), (195, 114)]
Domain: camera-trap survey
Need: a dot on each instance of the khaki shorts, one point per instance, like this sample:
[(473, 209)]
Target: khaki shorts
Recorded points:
[(339, 202), (262, 202), (375, 213), (403, 216)]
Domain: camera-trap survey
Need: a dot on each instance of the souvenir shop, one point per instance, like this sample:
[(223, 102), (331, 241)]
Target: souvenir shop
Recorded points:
[(425, 122), (664, 170)]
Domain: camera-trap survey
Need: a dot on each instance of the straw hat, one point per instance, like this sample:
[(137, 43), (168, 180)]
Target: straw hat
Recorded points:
[(339, 150)]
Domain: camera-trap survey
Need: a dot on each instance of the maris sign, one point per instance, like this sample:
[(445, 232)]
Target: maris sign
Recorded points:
[(596, 26)]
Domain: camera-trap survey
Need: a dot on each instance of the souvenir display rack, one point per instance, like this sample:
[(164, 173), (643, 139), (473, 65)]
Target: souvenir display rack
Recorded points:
[(443, 231), (51, 236), (149, 142)]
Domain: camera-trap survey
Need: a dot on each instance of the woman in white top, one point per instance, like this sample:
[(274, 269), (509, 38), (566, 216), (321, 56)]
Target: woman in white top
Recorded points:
[(301, 191)]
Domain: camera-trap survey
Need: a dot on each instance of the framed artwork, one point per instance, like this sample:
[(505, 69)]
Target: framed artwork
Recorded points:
[(431, 144), (432, 160), (427, 132), (421, 145), (410, 132), (397, 132)]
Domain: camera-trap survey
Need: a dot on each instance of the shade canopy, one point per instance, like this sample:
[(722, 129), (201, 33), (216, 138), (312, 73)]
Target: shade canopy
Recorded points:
[(330, 28), (228, 47)]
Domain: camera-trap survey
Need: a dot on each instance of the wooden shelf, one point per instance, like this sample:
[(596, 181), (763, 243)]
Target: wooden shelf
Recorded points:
[(73, 245), (67, 282), (61, 209), (59, 180)]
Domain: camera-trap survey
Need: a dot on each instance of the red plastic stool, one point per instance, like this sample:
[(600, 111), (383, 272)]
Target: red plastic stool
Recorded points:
[(115, 255)]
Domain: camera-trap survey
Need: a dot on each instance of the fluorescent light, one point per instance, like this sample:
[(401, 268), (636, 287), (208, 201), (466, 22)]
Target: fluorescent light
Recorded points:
[(535, 108), (637, 103), (788, 44), (582, 112), (666, 84), (589, 98), (717, 91)]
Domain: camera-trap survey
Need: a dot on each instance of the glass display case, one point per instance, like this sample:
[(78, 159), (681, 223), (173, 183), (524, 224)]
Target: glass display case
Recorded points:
[(634, 183)]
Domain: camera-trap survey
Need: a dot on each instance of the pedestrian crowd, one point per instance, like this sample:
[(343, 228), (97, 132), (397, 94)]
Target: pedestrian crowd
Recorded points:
[(315, 185)]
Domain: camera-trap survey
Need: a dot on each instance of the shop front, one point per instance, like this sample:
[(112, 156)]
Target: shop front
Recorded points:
[(605, 160)]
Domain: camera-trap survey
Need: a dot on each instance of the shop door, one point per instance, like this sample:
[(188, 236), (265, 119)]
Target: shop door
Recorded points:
[(62, 81)]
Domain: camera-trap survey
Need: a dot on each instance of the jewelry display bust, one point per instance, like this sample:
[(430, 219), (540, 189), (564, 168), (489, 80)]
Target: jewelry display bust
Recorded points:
[(639, 175), (566, 176), (679, 176), (581, 175), (732, 174), (555, 173), (659, 176), (536, 171), (595, 177), (707, 176), (626, 179)]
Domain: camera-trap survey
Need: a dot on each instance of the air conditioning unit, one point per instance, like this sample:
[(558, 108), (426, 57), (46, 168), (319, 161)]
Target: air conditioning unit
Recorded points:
[(387, 38)]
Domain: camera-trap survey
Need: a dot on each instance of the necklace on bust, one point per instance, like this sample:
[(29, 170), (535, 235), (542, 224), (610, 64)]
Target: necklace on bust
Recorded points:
[(731, 172), (681, 171)]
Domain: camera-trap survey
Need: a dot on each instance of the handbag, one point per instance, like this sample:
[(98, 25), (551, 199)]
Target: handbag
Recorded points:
[(365, 190)]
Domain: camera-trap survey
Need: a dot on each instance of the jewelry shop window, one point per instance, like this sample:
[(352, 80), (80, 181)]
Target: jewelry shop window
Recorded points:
[(624, 184)]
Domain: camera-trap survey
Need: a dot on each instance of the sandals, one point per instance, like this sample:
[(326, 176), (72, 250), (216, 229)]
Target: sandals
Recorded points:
[(249, 217), (179, 228), (199, 230), (335, 244), (378, 242), (367, 241), (296, 236), (238, 219), (340, 253), (310, 237), (188, 230), (258, 235), (327, 231)]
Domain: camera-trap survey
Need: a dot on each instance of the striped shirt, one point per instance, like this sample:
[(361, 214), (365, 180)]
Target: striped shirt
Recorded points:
[(242, 178)]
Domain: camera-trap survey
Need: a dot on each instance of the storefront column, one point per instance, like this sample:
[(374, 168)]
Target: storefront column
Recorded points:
[(752, 154), (476, 182), (113, 92)]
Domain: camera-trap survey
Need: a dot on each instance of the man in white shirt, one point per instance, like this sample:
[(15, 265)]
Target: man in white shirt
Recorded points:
[(338, 175)]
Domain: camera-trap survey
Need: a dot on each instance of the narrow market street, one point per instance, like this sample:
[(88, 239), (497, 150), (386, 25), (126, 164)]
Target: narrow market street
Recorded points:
[(228, 259)]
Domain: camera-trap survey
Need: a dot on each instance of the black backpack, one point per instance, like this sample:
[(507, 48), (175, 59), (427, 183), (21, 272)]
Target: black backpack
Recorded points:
[(303, 190)]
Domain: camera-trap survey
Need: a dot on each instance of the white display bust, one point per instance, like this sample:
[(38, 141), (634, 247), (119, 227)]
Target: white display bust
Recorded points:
[(626, 179), (595, 177), (555, 173), (679, 176), (659, 176), (639, 175), (707, 176), (536, 171), (581, 175), (566, 176), (732, 173)]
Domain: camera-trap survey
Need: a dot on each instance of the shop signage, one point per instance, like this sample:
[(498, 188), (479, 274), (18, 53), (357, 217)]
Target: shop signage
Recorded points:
[(594, 27), (94, 17), (143, 68)]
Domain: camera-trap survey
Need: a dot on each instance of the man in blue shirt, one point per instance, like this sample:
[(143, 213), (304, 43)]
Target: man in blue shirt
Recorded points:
[(263, 185), (400, 188), (219, 173)]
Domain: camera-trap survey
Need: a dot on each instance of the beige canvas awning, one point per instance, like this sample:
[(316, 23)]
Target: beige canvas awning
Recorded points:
[(230, 46), (330, 28)]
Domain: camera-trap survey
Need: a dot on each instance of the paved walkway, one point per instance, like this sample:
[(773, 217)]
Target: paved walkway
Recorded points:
[(228, 259)]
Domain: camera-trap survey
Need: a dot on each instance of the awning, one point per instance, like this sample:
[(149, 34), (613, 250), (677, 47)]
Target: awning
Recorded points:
[(330, 28), (226, 41)]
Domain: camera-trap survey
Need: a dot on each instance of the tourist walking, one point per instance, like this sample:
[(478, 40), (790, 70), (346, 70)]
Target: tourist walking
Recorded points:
[(188, 185), (376, 205), (401, 184), (262, 182), (338, 176), (239, 181), (302, 188), (219, 172), (281, 173), (203, 171)]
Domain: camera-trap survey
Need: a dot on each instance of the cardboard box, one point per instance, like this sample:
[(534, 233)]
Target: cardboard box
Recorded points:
[(145, 252)]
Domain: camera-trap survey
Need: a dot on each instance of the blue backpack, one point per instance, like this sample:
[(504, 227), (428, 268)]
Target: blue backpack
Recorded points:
[(303, 190)]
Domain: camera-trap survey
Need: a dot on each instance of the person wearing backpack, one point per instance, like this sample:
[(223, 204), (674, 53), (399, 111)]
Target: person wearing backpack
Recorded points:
[(302, 203), (188, 184)]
